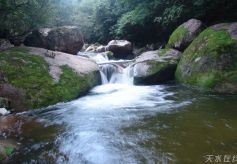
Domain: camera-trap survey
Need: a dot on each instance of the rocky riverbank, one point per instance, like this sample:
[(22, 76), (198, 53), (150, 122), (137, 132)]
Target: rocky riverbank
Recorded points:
[(34, 77), (194, 55)]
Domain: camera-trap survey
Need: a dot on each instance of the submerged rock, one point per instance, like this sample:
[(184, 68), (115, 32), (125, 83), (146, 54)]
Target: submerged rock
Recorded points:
[(121, 48), (65, 39), (185, 34), (211, 60), (155, 67), (34, 80)]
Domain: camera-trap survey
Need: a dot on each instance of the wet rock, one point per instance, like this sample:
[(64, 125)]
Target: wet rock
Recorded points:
[(155, 67), (92, 48), (14, 95), (95, 48), (101, 49)]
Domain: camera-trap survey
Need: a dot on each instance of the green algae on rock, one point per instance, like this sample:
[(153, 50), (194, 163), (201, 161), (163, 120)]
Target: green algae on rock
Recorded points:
[(155, 67), (184, 34), (210, 61), (32, 78)]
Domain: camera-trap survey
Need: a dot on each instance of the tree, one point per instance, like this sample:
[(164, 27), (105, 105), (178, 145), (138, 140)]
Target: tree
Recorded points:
[(18, 17)]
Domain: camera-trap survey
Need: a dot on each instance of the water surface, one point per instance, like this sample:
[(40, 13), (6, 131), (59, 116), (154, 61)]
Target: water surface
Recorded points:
[(119, 123)]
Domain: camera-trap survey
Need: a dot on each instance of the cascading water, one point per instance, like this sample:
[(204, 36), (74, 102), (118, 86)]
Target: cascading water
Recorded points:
[(113, 71), (121, 123)]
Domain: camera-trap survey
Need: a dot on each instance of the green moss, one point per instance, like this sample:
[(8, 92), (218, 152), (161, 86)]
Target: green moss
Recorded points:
[(156, 66), (210, 42), (162, 52), (31, 74), (71, 84), (179, 34), (211, 70)]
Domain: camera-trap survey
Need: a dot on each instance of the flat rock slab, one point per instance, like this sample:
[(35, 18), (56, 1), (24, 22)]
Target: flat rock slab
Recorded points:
[(79, 64)]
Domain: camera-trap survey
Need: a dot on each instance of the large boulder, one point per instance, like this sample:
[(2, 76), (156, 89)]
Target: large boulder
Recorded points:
[(121, 48), (211, 60), (65, 39), (185, 34), (38, 38), (5, 44), (36, 77), (155, 67)]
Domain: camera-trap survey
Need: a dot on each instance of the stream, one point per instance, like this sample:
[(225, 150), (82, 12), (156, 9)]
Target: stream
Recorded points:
[(119, 123)]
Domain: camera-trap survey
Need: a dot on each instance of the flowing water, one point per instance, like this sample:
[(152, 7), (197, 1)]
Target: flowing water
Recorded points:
[(120, 123)]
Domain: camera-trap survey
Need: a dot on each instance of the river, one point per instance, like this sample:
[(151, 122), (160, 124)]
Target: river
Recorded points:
[(121, 123)]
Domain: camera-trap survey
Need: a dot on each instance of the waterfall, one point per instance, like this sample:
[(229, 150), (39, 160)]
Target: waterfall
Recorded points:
[(112, 71)]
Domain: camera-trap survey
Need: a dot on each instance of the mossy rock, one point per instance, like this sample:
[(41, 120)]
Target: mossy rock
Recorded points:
[(156, 67), (155, 72), (210, 62), (159, 54), (29, 85), (185, 34)]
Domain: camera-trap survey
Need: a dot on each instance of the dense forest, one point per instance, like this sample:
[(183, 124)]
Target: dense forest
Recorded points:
[(140, 21)]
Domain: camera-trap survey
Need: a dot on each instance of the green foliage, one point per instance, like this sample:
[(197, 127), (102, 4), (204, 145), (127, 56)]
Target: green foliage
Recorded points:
[(132, 21), (30, 73), (18, 17)]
